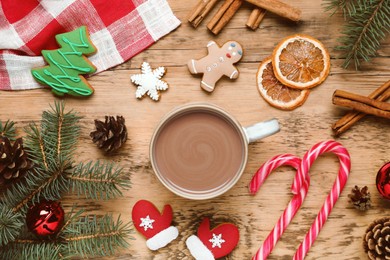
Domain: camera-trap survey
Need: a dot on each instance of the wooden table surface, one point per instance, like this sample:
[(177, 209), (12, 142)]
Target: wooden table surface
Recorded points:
[(368, 141)]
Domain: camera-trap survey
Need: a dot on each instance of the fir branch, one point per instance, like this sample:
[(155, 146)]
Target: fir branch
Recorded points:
[(10, 225), (60, 132), (70, 217), (98, 181), (93, 236), (48, 185), (35, 147), (31, 249), (8, 130), (80, 237), (348, 7), (27, 246), (368, 25), (364, 32), (51, 147)]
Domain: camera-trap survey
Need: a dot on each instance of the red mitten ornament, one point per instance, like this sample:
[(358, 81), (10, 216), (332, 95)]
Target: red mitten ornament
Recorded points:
[(154, 226), (215, 243)]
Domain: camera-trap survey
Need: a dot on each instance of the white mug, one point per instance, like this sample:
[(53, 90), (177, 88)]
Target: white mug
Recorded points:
[(199, 151)]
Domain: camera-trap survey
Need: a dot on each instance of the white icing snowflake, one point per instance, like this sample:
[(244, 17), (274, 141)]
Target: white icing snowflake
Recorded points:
[(146, 223), (149, 82), (217, 240)]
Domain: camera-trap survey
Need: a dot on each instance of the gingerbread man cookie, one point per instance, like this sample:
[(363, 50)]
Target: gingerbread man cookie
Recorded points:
[(217, 63)]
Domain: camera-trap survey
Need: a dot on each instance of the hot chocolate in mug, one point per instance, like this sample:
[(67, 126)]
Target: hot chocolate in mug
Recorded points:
[(199, 151)]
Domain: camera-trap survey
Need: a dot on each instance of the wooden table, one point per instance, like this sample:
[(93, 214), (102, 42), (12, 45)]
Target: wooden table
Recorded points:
[(368, 141)]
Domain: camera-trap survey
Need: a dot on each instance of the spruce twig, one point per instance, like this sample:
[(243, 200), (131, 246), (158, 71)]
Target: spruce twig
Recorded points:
[(36, 147), (51, 147), (84, 237), (10, 225), (98, 181), (8, 130), (368, 24), (31, 250), (70, 218), (348, 7), (81, 237)]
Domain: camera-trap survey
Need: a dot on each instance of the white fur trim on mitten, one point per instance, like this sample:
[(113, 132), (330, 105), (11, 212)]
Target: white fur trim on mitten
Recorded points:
[(162, 238), (197, 249)]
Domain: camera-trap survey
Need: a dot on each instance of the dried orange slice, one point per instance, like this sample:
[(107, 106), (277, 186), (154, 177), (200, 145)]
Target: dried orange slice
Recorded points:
[(301, 61), (274, 92)]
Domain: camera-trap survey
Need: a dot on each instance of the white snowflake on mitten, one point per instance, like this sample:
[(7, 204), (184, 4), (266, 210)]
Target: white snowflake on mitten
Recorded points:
[(146, 223), (149, 82), (217, 240)]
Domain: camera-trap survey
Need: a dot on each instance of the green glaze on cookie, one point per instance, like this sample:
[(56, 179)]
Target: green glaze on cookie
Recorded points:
[(67, 63)]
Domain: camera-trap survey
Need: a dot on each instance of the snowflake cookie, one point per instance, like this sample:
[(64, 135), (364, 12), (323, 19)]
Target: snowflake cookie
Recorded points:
[(149, 82)]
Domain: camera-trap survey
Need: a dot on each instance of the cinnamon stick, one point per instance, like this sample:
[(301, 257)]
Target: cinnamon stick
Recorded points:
[(361, 103), (224, 15), (279, 8), (255, 18), (200, 11), (344, 123)]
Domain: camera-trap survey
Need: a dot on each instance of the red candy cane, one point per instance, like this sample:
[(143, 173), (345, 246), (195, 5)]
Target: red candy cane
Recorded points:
[(300, 188), (293, 206), (265, 170), (338, 186)]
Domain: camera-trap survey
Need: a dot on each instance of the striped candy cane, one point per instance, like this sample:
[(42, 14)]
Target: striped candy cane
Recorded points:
[(265, 170), (293, 206), (307, 162)]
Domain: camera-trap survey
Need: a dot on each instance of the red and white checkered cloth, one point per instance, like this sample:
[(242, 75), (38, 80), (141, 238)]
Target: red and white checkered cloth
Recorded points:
[(119, 29)]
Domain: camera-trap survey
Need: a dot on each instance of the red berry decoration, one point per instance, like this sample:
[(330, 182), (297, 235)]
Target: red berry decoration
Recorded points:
[(45, 219), (383, 181)]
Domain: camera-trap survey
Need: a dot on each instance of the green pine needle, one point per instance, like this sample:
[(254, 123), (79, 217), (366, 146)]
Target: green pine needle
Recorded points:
[(98, 180), (8, 130), (368, 24), (37, 186), (31, 250), (10, 225), (51, 149), (35, 147), (348, 7), (93, 236), (51, 146), (71, 217), (60, 131), (83, 237)]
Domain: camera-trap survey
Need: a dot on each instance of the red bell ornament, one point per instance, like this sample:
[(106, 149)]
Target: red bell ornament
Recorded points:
[(45, 219), (383, 181)]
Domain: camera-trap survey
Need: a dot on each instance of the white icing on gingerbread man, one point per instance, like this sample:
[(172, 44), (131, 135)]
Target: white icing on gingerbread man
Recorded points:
[(217, 63)]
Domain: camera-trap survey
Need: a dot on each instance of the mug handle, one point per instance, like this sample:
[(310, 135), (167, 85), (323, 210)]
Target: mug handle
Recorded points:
[(260, 130)]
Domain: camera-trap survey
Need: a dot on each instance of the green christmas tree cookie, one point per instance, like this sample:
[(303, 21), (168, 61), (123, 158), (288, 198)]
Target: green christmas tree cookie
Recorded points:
[(67, 63)]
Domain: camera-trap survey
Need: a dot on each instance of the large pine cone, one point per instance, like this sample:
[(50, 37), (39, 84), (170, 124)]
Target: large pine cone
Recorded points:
[(14, 161), (377, 239), (111, 134)]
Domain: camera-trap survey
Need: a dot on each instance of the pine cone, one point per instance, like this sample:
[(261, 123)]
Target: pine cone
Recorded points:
[(111, 134), (377, 239), (360, 198), (14, 161)]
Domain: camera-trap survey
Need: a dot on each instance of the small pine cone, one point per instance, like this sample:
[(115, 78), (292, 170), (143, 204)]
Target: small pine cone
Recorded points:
[(360, 198), (111, 134), (376, 241), (14, 161)]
